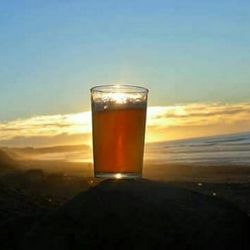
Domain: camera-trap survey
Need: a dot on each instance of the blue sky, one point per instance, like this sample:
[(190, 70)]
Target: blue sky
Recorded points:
[(52, 52)]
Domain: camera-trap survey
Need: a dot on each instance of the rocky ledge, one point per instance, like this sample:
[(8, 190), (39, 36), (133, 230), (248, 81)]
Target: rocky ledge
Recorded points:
[(141, 214)]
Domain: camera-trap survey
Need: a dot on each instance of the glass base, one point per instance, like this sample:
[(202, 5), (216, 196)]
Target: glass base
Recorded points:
[(118, 175)]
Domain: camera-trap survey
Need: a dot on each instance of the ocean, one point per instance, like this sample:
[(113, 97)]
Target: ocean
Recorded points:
[(223, 150), (230, 150)]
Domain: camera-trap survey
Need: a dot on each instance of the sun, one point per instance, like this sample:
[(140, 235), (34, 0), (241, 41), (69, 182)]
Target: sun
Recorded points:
[(79, 123)]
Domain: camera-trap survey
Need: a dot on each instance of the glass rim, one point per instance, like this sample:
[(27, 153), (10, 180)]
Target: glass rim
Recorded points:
[(126, 88)]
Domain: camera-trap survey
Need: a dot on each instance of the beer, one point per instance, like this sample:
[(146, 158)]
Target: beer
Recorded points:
[(119, 140), (118, 136)]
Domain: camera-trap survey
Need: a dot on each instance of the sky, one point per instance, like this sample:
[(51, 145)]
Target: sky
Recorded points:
[(186, 52), (163, 123)]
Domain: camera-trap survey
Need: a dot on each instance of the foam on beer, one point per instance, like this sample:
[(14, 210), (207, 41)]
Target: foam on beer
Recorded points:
[(114, 101)]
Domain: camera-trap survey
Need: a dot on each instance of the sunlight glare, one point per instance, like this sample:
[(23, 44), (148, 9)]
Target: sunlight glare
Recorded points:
[(119, 98), (118, 176)]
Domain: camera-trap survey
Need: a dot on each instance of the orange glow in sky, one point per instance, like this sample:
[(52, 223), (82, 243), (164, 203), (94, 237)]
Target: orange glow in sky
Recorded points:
[(163, 123)]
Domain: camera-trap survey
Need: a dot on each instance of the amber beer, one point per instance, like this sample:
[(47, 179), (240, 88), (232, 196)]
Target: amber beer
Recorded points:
[(118, 122)]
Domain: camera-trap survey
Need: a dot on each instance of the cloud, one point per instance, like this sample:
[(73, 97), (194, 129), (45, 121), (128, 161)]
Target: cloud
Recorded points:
[(163, 123), (48, 125), (197, 119), (198, 114), (43, 141)]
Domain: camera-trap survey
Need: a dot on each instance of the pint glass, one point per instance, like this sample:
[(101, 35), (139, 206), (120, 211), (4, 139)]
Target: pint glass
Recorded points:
[(118, 127)]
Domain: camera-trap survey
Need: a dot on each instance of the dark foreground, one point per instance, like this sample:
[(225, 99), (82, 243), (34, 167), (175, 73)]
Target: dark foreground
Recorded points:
[(141, 214), (118, 214)]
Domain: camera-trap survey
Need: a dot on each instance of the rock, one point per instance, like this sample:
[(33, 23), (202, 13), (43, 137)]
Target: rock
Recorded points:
[(141, 214)]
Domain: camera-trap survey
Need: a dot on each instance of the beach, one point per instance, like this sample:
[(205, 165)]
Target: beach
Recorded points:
[(37, 181), (28, 196)]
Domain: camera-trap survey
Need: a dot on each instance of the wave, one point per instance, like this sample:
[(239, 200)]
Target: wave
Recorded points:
[(216, 150)]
